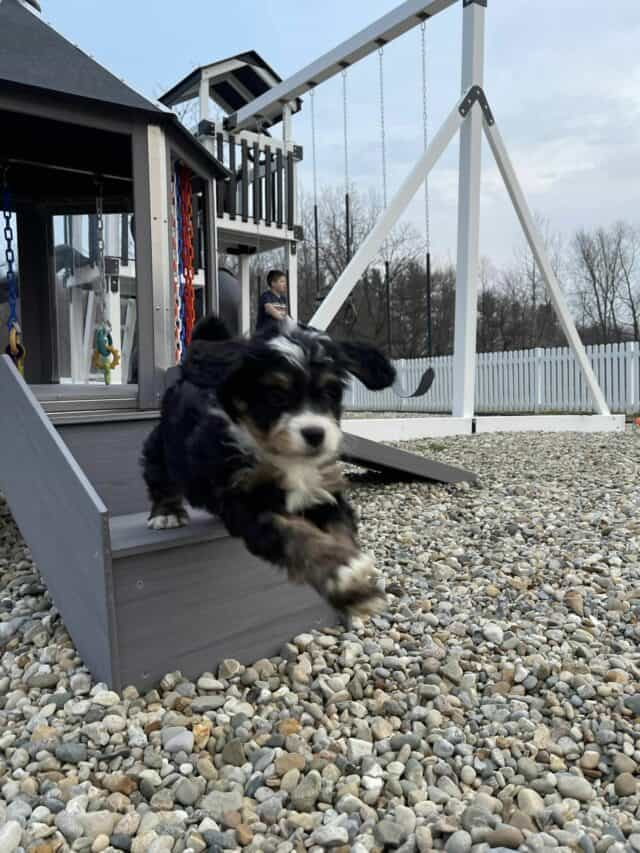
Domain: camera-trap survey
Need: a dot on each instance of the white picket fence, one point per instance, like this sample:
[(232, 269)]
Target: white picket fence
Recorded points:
[(537, 380)]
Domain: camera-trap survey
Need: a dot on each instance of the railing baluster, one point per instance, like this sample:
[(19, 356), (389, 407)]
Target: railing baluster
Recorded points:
[(257, 184), (221, 189), (290, 192), (279, 188), (124, 238), (244, 188), (233, 183), (268, 185)]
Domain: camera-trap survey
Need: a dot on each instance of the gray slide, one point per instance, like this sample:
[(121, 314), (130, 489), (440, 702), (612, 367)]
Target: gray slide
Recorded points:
[(229, 300)]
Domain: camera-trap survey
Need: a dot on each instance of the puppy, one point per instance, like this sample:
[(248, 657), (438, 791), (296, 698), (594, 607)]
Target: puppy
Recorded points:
[(251, 433)]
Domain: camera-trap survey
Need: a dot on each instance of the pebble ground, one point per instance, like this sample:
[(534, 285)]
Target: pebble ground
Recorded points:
[(494, 706)]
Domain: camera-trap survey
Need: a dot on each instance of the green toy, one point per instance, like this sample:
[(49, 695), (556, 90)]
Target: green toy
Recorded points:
[(105, 356)]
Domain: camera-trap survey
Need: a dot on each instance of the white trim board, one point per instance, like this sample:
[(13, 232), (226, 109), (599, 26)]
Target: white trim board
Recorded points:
[(550, 423), (406, 429)]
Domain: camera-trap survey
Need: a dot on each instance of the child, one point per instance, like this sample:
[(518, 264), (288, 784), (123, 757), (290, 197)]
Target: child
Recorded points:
[(273, 302)]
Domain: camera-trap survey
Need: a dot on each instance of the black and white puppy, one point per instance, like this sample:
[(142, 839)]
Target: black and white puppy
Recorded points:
[(251, 433)]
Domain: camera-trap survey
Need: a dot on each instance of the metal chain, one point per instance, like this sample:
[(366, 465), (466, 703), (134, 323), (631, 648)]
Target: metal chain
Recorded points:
[(10, 257), (345, 124), (383, 140), (102, 293), (312, 95), (175, 273), (425, 130)]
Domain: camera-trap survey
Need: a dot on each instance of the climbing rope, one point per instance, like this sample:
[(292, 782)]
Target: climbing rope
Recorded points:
[(175, 271), (15, 350), (180, 231), (187, 254)]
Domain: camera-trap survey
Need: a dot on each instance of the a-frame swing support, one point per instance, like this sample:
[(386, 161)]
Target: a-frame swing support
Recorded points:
[(472, 116)]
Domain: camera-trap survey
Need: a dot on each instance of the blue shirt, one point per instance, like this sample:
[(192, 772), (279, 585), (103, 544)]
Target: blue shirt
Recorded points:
[(268, 298)]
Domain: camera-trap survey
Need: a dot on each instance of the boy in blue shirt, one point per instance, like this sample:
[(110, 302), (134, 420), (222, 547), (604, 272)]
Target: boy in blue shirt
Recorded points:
[(273, 302)]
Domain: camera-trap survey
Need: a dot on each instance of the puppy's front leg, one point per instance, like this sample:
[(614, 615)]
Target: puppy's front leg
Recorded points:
[(332, 563), (336, 568)]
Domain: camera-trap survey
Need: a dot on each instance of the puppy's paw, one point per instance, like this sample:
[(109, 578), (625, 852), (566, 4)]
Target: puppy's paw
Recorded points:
[(168, 522), (353, 587)]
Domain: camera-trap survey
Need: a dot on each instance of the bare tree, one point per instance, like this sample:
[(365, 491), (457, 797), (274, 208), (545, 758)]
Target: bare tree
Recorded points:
[(599, 279), (525, 284), (630, 271), (365, 312)]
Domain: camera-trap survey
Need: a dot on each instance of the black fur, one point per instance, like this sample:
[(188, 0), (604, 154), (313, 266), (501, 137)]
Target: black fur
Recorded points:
[(249, 431)]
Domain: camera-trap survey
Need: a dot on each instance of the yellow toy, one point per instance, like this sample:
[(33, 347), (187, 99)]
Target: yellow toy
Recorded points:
[(15, 350), (105, 356)]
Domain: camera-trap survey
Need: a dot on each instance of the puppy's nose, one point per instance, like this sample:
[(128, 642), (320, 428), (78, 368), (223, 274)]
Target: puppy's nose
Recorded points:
[(314, 436)]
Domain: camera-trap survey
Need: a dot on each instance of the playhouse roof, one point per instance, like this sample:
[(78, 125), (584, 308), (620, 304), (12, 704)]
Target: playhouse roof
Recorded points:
[(33, 54), (234, 82)]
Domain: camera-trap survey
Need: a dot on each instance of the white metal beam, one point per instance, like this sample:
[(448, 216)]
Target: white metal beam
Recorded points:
[(467, 266), (245, 294), (401, 19), (292, 269), (536, 243), (388, 218), (203, 99)]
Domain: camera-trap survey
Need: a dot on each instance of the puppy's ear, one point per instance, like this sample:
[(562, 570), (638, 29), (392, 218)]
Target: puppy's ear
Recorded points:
[(210, 364), (368, 365)]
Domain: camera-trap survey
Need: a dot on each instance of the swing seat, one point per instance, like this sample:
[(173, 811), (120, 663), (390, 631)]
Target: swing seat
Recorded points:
[(424, 385)]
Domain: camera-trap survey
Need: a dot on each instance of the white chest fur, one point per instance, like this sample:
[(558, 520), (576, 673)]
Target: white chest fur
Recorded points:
[(303, 485)]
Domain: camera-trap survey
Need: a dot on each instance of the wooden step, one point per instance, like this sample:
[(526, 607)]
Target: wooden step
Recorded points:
[(130, 534), (189, 597)]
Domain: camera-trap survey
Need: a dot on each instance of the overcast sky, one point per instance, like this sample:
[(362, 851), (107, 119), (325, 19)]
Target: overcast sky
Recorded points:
[(563, 77)]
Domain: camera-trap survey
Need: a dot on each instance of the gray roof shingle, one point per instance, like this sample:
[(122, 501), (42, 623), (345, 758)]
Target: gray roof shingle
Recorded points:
[(33, 54)]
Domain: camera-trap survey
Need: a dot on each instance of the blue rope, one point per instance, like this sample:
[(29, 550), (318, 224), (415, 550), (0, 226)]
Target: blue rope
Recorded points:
[(9, 254), (183, 335)]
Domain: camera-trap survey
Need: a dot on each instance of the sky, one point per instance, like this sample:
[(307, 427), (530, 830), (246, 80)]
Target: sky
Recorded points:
[(562, 76)]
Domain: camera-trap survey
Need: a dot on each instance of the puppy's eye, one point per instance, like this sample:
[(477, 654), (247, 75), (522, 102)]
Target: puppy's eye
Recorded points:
[(277, 396), (333, 390)]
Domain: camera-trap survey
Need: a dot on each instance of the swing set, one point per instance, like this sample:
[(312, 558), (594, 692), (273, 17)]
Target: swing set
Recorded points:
[(350, 315), (471, 116)]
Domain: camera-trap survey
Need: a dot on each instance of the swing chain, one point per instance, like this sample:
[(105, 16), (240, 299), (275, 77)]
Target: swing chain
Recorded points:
[(383, 140), (102, 294), (425, 130), (9, 254), (345, 123), (312, 94)]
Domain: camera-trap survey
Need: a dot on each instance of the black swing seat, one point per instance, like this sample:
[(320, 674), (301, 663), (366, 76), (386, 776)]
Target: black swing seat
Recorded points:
[(424, 385)]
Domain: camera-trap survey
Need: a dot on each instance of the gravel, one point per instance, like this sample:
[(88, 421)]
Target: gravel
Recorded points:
[(493, 706)]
